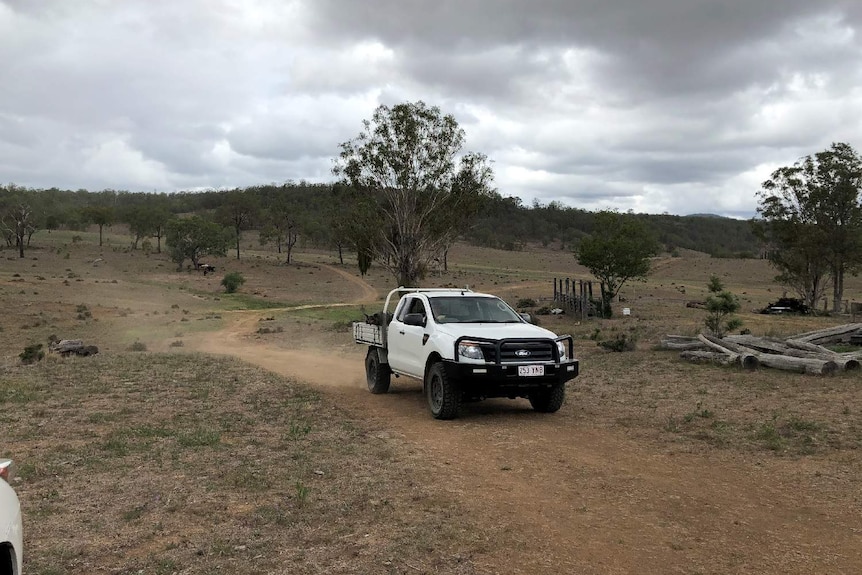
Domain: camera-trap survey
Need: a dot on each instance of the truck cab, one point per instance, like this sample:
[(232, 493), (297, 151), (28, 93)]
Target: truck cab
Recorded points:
[(465, 346)]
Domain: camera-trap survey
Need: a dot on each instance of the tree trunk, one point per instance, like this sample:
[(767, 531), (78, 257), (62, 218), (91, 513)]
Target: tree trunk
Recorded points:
[(100, 235), (837, 288)]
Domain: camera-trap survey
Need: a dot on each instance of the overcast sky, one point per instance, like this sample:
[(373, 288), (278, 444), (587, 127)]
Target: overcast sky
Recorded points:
[(679, 106)]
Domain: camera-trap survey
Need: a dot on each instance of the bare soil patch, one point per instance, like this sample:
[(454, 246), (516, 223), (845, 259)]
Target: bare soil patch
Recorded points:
[(652, 466)]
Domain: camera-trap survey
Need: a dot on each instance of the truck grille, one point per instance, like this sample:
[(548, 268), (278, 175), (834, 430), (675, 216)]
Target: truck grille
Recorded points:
[(526, 351)]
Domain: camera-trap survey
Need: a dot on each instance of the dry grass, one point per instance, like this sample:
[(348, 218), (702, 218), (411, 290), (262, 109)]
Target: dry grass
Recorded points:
[(187, 464), (159, 462)]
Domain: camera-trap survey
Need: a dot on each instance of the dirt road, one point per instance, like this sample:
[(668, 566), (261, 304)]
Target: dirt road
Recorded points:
[(567, 497)]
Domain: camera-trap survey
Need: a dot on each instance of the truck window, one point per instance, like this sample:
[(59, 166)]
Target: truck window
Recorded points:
[(411, 305), (416, 306)]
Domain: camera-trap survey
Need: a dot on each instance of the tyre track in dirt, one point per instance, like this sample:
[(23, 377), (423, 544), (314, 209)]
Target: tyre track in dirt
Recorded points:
[(560, 496)]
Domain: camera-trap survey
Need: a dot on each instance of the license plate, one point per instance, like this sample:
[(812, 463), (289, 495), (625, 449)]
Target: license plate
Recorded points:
[(531, 370)]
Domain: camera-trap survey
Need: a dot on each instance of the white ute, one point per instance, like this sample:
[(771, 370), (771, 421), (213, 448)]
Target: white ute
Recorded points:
[(465, 346)]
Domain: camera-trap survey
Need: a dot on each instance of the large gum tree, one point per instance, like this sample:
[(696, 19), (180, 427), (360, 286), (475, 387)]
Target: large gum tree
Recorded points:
[(411, 185), (810, 216)]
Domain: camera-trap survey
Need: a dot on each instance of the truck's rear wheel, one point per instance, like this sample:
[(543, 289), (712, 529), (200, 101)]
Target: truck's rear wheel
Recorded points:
[(377, 373), (548, 400), (444, 396)]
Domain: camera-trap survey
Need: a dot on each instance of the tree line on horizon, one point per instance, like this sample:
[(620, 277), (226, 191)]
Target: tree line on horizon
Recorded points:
[(302, 213)]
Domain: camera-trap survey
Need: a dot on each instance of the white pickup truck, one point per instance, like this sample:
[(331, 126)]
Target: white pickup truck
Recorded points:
[(465, 346)]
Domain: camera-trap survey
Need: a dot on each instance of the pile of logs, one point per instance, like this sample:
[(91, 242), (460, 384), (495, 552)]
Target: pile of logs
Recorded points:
[(803, 353), (72, 347)]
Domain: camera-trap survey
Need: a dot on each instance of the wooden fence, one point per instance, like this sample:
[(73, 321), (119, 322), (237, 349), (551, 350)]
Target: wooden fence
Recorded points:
[(574, 296)]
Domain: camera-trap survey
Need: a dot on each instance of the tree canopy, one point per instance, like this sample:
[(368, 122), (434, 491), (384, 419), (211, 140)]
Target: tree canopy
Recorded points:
[(193, 238), (811, 218), (618, 250), (412, 185)]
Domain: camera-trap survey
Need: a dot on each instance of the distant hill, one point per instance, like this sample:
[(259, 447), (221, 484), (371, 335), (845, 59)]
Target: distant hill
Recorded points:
[(508, 225)]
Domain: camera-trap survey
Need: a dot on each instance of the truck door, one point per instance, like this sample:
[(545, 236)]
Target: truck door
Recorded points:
[(405, 341)]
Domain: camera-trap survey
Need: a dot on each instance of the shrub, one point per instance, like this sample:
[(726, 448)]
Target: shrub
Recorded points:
[(232, 282), (138, 346), (620, 342), (721, 305), (32, 353), (525, 302)]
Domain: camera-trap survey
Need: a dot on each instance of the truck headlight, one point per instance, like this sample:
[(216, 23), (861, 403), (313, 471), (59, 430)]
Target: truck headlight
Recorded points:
[(470, 350), (564, 351)]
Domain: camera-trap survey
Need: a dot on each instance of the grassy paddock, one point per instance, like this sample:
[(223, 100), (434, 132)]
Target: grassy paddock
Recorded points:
[(175, 463)]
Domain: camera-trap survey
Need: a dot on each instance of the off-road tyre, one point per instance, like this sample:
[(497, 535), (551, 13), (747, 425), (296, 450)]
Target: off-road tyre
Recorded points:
[(378, 374), (548, 400), (442, 392)]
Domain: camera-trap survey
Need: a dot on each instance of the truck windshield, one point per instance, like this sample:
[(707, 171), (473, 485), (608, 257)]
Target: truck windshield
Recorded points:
[(466, 309)]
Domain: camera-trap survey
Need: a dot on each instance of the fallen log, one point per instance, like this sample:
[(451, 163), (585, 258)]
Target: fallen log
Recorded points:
[(759, 344), (806, 346), (681, 343), (843, 363), (744, 357), (73, 346), (801, 350), (799, 364), (708, 357), (834, 334)]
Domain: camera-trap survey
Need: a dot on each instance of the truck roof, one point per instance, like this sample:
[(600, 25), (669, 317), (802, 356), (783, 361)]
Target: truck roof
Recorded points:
[(432, 293), (440, 292)]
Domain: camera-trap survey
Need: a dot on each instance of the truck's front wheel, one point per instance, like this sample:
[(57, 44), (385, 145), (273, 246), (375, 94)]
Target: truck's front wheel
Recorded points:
[(548, 400), (377, 373), (444, 396)]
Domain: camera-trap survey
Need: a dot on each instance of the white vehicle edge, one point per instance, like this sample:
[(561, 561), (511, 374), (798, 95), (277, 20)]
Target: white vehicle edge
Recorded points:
[(11, 529)]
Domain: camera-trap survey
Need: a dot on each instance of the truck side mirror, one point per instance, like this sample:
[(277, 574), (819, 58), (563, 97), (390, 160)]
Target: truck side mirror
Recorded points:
[(416, 319)]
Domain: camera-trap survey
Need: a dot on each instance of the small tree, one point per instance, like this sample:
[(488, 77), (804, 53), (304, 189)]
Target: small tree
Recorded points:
[(720, 305), (101, 216), (238, 210), (193, 238), (232, 282), (619, 250), (18, 223), (146, 220)]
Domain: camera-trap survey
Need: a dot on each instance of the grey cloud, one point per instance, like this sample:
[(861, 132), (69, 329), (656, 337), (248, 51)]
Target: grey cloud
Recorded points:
[(676, 104)]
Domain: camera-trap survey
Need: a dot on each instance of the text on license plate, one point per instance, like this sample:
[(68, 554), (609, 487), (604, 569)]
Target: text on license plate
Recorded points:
[(531, 370)]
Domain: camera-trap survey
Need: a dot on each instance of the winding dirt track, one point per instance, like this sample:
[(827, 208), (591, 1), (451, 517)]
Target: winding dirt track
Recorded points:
[(566, 497)]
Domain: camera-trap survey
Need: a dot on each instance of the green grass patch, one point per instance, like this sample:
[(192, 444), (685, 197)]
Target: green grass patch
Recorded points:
[(337, 315), (241, 301)]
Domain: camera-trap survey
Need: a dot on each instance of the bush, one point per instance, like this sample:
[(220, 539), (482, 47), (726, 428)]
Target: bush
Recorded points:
[(232, 282), (525, 302), (138, 346), (721, 305), (32, 354), (620, 343)]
